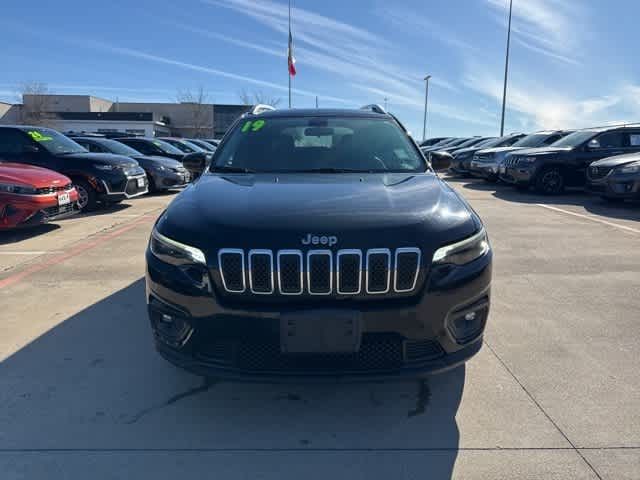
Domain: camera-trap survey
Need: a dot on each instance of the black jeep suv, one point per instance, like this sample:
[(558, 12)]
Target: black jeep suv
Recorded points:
[(318, 244), (564, 163), (98, 177)]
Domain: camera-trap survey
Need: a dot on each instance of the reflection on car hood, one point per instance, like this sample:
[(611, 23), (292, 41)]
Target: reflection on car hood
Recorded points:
[(20, 174), (544, 150), (269, 211), (617, 160), (109, 158), (149, 160)]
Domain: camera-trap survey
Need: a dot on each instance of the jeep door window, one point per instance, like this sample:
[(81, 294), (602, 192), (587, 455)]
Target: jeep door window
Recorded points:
[(54, 142), (575, 139), (12, 143), (608, 140), (307, 144), (530, 141)]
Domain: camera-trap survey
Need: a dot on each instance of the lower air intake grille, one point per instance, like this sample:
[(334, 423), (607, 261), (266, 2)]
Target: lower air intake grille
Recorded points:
[(378, 352)]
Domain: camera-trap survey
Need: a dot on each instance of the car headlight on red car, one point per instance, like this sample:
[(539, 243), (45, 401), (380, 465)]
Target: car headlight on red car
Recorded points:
[(17, 189)]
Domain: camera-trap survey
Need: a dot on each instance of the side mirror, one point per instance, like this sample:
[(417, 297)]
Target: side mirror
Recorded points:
[(593, 144), (195, 163), (440, 160)]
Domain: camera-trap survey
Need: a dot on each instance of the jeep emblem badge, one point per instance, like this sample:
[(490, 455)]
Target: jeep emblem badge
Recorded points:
[(311, 239)]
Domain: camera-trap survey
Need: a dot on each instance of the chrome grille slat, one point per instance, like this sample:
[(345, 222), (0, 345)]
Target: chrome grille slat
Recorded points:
[(232, 281), (315, 272), (286, 269), (378, 279), (348, 272), (261, 272), (411, 255)]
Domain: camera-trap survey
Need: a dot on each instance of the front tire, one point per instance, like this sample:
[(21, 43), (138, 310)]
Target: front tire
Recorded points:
[(87, 199), (550, 181)]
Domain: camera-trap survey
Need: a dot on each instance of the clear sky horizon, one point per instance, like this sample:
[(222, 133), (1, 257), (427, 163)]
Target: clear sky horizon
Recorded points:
[(572, 61)]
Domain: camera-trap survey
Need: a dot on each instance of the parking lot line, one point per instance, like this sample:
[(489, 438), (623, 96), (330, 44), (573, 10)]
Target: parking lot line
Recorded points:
[(36, 252), (73, 252), (591, 218)]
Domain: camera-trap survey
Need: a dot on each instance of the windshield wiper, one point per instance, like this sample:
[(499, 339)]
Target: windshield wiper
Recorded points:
[(232, 169)]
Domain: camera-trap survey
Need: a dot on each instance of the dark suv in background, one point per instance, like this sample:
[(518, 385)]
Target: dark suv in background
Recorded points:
[(98, 177), (486, 163), (195, 162), (163, 173), (461, 163), (565, 163)]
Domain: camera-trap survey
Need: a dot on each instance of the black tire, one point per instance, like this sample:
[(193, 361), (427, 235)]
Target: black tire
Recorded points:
[(550, 181), (491, 179), (152, 184), (87, 198), (521, 188)]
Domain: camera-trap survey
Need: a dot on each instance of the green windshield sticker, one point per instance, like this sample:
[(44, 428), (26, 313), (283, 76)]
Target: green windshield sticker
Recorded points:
[(38, 137), (253, 126)]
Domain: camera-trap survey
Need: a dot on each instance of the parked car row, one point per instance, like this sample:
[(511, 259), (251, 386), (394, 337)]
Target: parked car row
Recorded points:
[(602, 160), (45, 175)]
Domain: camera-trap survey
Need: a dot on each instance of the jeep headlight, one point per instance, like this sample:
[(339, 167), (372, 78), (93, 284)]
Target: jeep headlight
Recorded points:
[(174, 252), (627, 169), (463, 252)]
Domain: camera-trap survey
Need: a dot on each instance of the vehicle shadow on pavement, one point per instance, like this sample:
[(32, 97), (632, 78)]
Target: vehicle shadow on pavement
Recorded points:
[(591, 203), (95, 382), (20, 234)]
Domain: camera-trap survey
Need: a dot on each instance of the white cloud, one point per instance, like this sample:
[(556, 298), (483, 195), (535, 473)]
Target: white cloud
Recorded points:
[(534, 106), (543, 26)]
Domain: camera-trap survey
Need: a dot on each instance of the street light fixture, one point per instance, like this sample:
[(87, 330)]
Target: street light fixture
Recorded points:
[(426, 104)]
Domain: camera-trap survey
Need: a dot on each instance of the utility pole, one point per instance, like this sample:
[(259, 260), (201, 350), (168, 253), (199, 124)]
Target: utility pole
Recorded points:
[(426, 105), (506, 70), (316, 101)]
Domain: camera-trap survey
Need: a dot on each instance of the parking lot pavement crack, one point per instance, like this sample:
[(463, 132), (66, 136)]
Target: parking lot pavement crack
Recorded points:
[(544, 412), (207, 383)]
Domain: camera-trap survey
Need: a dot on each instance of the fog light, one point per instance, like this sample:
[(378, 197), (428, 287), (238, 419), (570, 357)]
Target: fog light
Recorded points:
[(467, 323), (170, 325)]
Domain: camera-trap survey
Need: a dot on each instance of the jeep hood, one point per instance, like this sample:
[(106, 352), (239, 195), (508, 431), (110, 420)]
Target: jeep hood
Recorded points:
[(363, 211)]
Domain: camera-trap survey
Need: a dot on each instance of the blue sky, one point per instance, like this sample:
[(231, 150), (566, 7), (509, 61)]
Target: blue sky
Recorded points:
[(573, 62)]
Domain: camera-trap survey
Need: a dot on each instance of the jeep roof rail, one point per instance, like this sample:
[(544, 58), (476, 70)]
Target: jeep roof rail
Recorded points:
[(374, 107), (260, 108), (612, 125)]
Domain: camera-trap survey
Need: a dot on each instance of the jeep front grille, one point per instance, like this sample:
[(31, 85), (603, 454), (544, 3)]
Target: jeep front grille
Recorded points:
[(319, 272)]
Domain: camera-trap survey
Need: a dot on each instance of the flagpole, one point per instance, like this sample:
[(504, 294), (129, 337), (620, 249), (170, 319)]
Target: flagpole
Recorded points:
[(288, 72)]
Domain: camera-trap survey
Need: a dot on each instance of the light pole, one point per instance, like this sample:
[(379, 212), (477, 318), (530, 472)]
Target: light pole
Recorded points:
[(426, 104), (506, 70), (385, 103)]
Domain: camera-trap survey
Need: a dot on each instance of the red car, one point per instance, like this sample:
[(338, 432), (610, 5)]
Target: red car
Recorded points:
[(32, 195)]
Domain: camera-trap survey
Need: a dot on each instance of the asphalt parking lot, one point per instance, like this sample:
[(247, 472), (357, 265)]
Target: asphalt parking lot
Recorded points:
[(554, 393)]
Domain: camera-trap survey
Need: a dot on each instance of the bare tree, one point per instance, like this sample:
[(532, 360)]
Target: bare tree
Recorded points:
[(200, 110), (258, 97), (36, 100)]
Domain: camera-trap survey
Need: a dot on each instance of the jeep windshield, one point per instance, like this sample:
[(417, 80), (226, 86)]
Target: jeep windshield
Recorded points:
[(55, 142), (574, 139), (318, 145)]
